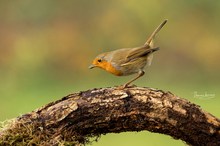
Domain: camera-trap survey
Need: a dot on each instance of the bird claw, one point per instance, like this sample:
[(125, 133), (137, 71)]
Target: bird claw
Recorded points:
[(121, 87)]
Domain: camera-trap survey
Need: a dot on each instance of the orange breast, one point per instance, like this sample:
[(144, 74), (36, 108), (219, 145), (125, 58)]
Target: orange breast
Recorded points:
[(108, 67)]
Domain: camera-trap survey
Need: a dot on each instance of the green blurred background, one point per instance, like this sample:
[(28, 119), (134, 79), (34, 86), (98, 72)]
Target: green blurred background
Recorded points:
[(47, 46)]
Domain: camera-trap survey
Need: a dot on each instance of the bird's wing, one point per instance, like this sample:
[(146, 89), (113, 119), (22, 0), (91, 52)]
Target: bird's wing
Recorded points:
[(136, 54), (140, 52)]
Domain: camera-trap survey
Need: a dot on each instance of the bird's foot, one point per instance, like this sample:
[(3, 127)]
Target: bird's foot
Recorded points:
[(121, 87)]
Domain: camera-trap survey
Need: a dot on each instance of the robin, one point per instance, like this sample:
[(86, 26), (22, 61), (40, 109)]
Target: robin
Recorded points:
[(127, 61)]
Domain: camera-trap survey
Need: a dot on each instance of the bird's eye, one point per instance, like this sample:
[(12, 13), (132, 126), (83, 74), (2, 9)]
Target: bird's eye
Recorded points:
[(99, 60)]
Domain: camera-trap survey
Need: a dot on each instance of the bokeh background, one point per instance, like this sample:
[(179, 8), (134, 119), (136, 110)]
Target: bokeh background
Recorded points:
[(47, 46)]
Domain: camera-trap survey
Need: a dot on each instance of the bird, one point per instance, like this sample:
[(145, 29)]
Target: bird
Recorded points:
[(128, 61)]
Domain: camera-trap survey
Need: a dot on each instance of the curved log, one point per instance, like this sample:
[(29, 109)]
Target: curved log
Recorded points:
[(77, 117)]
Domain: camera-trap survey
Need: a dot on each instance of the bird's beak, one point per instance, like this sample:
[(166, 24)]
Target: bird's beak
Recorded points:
[(91, 66)]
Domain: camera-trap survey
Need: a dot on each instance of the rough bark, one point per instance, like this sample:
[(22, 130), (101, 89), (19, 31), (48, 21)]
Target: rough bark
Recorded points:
[(77, 117)]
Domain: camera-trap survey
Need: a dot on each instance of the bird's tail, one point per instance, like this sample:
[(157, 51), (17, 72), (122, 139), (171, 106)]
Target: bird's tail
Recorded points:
[(150, 39)]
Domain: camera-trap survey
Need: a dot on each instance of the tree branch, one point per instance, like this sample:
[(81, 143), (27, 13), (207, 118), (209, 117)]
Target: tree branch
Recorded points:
[(79, 116)]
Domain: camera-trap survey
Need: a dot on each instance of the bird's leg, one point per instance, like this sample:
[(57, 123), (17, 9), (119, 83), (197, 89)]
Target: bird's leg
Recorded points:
[(140, 73)]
